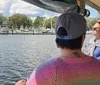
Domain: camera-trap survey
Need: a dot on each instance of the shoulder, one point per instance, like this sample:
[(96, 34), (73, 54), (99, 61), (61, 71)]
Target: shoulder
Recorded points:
[(46, 66), (92, 40), (43, 74)]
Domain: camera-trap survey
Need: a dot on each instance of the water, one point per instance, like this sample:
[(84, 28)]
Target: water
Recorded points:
[(20, 54)]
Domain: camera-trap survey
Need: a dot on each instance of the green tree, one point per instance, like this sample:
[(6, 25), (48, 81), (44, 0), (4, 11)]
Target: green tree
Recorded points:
[(39, 21), (54, 21), (18, 20), (24, 20), (36, 23), (2, 19), (29, 22), (51, 22), (48, 23), (10, 24)]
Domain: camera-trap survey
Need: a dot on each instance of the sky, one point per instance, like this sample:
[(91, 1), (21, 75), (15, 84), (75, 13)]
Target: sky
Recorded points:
[(10, 7)]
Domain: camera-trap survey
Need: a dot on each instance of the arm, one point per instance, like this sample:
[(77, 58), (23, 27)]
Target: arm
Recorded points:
[(31, 79), (21, 82), (42, 75)]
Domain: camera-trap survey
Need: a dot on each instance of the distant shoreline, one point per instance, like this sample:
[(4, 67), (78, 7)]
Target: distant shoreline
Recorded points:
[(27, 33), (88, 32)]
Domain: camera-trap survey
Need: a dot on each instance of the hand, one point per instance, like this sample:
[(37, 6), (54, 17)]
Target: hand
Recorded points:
[(21, 82)]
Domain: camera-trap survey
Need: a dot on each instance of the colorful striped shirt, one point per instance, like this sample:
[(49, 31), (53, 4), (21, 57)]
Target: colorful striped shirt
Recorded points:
[(68, 71)]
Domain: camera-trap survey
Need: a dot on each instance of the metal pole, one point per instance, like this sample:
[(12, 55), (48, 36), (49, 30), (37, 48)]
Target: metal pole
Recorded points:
[(51, 26)]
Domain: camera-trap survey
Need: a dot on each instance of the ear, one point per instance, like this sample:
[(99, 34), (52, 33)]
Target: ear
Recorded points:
[(83, 38), (56, 43), (57, 46)]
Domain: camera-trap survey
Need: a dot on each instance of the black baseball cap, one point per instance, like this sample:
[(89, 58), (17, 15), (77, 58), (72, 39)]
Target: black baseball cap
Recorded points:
[(74, 24)]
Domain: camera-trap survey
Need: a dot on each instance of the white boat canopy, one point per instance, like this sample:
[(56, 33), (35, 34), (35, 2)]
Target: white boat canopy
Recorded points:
[(61, 6)]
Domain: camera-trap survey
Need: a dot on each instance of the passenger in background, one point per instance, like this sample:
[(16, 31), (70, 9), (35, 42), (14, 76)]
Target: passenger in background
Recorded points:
[(94, 44)]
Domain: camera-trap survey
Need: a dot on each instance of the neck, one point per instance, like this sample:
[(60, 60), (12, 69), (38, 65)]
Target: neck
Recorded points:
[(72, 53)]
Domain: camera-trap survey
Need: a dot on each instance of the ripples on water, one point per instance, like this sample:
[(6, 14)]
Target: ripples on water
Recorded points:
[(20, 54)]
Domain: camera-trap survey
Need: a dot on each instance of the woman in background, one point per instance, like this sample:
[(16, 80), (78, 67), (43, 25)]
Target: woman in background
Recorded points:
[(94, 44)]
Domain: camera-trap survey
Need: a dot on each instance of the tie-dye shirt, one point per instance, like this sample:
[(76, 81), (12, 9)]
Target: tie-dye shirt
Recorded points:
[(68, 71)]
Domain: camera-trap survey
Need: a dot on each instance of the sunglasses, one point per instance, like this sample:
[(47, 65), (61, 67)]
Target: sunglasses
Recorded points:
[(94, 28)]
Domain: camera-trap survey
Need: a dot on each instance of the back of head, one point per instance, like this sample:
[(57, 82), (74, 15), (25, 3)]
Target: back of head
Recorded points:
[(69, 30)]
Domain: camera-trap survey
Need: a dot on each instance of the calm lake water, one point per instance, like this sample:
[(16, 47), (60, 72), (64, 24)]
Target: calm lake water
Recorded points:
[(20, 54)]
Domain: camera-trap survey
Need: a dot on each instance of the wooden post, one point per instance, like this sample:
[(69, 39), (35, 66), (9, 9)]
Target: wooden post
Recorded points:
[(81, 3)]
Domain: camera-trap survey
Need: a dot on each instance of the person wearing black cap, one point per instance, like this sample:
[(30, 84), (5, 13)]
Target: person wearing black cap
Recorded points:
[(71, 67)]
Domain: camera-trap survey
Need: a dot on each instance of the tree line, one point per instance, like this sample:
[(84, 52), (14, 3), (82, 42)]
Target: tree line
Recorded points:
[(22, 21)]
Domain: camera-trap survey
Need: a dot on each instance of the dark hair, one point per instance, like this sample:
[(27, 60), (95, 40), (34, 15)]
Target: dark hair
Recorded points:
[(69, 44), (98, 22)]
